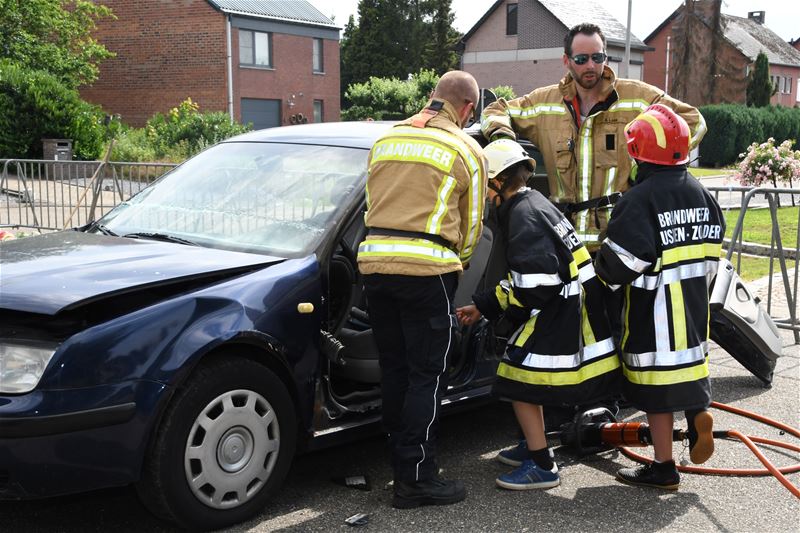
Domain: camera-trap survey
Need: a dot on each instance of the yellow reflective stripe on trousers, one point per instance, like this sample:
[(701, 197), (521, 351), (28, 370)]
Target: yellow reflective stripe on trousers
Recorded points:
[(575, 377), (693, 251), (678, 315), (667, 377), (434, 225), (417, 249)]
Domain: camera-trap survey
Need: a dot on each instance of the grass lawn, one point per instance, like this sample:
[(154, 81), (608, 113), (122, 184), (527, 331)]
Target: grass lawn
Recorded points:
[(705, 172), (756, 267), (758, 225)]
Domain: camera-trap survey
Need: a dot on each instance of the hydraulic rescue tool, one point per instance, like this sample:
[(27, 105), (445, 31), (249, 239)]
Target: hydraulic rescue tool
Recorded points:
[(597, 429)]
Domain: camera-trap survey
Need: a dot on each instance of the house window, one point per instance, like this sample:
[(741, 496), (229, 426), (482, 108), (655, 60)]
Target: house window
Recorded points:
[(318, 64), (318, 111), (255, 48), (511, 19)]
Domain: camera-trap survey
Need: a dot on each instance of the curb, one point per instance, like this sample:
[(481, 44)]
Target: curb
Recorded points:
[(759, 249)]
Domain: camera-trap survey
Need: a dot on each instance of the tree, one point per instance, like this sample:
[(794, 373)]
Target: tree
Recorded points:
[(53, 36), (440, 50), (395, 38), (759, 88)]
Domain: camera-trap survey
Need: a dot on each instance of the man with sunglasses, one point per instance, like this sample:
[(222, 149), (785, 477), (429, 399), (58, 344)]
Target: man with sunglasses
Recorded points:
[(426, 186), (578, 125)]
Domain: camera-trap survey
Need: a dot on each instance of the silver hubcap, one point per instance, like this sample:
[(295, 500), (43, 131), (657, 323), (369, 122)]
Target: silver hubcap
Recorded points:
[(232, 449)]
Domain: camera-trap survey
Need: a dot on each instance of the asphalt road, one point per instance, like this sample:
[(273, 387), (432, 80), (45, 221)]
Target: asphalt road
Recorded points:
[(589, 499)]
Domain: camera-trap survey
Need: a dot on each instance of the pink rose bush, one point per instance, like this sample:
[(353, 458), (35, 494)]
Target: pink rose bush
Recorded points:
[(766, 163)]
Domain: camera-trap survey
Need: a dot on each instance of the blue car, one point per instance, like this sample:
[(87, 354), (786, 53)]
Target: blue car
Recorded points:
[(200, 335)]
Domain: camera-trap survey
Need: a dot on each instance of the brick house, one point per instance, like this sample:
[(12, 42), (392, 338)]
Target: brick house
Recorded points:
[(743, 39), (521, 42), (283, 65)]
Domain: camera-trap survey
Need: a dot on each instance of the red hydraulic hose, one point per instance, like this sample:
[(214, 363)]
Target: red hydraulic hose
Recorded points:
[(749, 441)]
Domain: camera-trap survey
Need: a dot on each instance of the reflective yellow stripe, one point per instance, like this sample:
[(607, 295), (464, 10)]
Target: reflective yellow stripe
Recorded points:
[(667, 377), (588, 333), (502, 297), (585, 171), (419, 151), (581, 255), (526, 331), (573, 269), (545, 108), (434, 225), (512, 300), (418, 249), (443, 137), (678, 315), (633, 104), (627, 326), (693, 251), (574, 377)]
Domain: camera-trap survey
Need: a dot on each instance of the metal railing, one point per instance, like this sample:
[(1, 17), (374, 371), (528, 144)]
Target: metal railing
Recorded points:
[(53, 195), (776, 251)]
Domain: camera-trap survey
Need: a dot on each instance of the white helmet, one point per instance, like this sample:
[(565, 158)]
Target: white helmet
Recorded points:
[(503, 153)]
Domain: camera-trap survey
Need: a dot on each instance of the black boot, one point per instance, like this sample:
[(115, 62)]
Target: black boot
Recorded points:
[(434, 491), (658, 475)]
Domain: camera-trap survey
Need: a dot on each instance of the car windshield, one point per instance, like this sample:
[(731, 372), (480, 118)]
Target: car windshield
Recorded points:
[(269, 198)]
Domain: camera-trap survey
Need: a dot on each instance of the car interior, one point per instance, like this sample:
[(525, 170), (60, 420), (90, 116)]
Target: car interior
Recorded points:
[(352, 382)]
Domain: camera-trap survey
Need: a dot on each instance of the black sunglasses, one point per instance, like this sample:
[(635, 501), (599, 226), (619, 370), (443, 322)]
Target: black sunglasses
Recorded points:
[(582, 59)]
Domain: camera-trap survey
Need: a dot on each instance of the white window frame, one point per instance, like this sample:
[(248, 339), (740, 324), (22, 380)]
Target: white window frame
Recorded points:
[(258, 40), (318, 56)]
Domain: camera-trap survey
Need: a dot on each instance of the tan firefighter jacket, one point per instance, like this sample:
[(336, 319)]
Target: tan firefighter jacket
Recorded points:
[(585, 159), (425, 196)]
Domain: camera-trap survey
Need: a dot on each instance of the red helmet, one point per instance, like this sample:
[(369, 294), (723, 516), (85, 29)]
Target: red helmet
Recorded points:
[(658, 135)]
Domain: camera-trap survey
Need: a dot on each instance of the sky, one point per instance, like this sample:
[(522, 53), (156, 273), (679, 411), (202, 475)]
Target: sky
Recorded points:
[(781, 16)]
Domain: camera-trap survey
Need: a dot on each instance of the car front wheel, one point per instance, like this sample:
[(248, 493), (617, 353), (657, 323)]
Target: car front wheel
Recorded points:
[(224, 445)]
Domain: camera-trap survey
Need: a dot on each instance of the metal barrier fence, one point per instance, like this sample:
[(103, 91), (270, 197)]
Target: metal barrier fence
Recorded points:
[(777, 250), (53, 195)]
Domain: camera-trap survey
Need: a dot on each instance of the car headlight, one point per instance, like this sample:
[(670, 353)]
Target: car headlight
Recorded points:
[(22, 364)]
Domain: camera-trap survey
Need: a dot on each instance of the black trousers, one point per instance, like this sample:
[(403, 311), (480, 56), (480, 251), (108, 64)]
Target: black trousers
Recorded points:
[(413, 320)]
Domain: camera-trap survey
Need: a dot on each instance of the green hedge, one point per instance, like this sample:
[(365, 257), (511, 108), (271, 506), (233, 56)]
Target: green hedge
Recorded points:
[(35, 105), (732, 128)]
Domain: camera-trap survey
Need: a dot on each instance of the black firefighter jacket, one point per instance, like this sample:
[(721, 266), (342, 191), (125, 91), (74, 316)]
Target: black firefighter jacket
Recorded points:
[(662, 249), (562, 352)]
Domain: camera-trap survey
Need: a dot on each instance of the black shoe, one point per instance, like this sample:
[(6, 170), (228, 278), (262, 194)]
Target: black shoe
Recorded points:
[(657, 475), (434, 491), (701, 436)]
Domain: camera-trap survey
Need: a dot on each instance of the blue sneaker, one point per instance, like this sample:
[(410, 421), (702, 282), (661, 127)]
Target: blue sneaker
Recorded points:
[(529, 476), (514, 456)]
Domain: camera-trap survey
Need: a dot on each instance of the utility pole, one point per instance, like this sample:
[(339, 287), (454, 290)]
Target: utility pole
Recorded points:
[(626, 61)]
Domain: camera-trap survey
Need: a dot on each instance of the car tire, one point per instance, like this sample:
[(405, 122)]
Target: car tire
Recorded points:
[(223, 446)]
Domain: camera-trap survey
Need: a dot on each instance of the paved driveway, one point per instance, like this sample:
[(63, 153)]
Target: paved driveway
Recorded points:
[(589, 498)]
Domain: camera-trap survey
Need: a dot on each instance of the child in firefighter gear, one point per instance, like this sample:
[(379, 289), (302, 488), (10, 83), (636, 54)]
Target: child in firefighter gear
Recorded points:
[(662, 250), (561, 352), (426, 185), (578, 126)]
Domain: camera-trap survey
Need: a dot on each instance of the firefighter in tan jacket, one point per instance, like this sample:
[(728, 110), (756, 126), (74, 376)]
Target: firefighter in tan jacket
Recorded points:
[(425, 196), (578, 125)]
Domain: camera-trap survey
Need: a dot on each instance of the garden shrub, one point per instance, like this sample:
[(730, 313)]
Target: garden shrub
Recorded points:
[(35, 105), (733, 128)]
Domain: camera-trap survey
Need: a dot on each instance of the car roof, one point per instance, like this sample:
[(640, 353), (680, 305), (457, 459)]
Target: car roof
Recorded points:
[(356, 134)]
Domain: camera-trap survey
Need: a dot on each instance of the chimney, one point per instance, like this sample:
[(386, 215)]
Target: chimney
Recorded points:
[(756, 16)]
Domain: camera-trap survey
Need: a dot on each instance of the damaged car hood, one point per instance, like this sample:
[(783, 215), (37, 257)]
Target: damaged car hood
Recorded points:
[(60, 271)]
